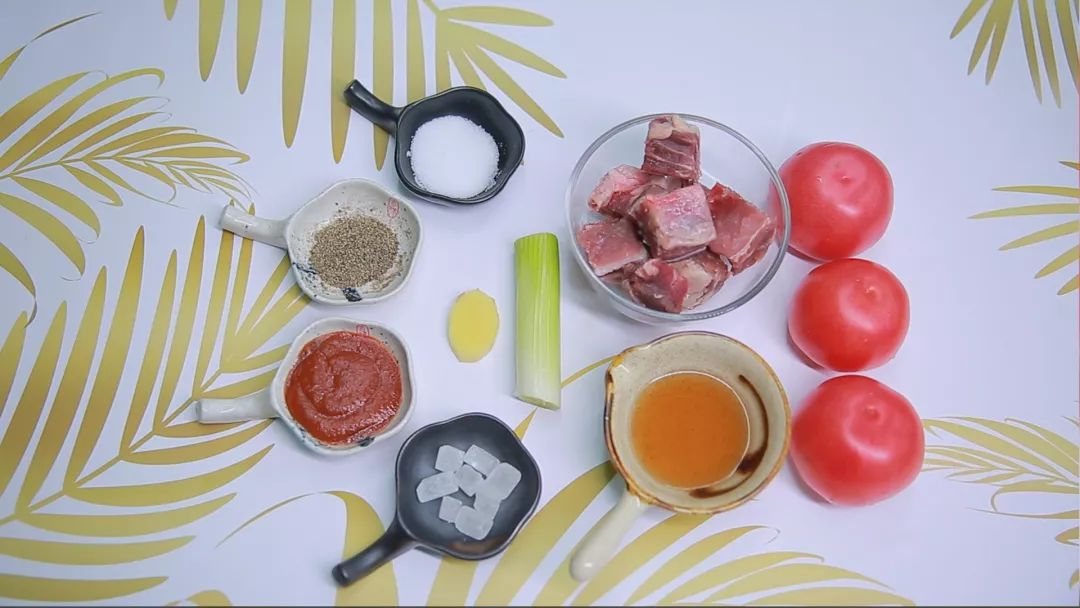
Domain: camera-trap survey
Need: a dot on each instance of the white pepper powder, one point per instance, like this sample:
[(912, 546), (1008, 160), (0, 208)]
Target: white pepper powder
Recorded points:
[(353, 250)]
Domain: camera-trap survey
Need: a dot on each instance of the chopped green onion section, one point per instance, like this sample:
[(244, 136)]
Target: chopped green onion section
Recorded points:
[(536, 267)]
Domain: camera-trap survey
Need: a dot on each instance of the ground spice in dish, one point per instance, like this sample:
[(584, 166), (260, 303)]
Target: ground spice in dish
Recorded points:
[(353, 250)]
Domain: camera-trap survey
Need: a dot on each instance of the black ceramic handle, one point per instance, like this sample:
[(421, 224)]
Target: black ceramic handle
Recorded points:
[(390, 545), (371, 107)]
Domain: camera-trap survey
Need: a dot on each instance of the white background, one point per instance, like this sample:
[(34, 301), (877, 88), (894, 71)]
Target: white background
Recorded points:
[(985, 340)]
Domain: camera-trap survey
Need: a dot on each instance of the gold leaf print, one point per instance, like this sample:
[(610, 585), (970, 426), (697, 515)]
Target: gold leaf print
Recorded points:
[(38, 589), (7, 62), (455, 577), (362, 527), (470, 46), (772, 578), (1014, 457), (86, 151), (1069, 208), (382, 70), (210, 597), (71, 425), (294, 62), (996, 22), (342, 71), (456, 38)]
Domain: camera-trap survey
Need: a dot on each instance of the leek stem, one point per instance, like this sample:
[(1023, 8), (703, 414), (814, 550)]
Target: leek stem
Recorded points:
[(536, 266)]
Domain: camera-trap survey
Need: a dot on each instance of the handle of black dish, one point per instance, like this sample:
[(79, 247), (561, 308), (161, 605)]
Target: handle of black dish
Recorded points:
[(390, 545), (371, 107)]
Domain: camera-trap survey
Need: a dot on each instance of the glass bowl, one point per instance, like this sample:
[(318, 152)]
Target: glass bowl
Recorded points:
[(726, 157)]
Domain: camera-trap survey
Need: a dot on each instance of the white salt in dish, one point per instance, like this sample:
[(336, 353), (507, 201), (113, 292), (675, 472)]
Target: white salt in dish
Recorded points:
[(454, 157)]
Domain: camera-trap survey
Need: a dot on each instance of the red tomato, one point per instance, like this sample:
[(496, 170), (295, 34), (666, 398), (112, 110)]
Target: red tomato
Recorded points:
[(849, 315), (841, 200), (856, 441)]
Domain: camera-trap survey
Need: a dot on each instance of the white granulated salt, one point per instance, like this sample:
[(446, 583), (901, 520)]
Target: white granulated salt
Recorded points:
[(453, 156)]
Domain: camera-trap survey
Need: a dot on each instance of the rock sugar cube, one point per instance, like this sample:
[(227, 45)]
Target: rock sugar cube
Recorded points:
[(449, 458), (501, 482), (436, 486), (448, 509), (486, 504), (479, 459), (467, 479), (473, 523)]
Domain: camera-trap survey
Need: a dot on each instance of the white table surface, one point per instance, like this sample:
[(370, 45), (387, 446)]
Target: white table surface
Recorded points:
[(987, 340)]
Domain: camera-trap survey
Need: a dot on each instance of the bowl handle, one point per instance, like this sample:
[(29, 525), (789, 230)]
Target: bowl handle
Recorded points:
[(256, 406), (365, 103), (599, 545), (271, 232), (391, 544)]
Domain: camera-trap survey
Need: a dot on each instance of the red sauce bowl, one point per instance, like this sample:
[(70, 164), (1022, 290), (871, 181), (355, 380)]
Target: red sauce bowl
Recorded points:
[(385, 345)]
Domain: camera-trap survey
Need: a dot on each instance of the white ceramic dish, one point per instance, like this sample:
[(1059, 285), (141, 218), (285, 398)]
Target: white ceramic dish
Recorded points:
[(270, 402), (296, 235)]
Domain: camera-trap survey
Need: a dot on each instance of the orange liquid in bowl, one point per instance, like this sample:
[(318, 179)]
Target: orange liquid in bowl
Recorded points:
[(689, 429)]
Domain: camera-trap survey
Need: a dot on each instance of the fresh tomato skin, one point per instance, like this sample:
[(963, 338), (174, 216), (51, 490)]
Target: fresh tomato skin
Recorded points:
[(856, 441), (849, 315), (841, 199)]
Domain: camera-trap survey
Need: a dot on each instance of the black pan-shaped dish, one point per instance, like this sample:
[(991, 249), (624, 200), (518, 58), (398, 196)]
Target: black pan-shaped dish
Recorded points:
[(468, 102), (418, 524)]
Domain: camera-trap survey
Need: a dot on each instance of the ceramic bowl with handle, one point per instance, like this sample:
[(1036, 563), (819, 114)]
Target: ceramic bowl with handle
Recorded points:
[(270, 402), (417, 524), (768, 417), (296, 234)]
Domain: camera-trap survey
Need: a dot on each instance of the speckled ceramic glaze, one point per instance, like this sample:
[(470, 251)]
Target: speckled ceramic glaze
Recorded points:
[(270, 402), (728, 360), (724, 358), (297, 235)]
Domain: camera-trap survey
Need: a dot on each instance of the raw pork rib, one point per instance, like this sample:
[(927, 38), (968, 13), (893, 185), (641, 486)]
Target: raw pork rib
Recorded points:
[(743, 232), (673, 148), (655, 186), (659, 286), (705, 273), (612, 195), (676, 223), (611, 244)]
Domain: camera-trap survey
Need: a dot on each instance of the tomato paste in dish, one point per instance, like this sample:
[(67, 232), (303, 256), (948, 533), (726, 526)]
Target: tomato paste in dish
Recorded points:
[(343, 387)]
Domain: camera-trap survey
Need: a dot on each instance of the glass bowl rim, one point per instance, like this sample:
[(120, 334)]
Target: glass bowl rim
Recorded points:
[(785, 210)]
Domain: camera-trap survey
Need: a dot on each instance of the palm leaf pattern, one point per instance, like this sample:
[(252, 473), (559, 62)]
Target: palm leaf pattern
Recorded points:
[(1068, 208), (55, 165), (67, 402), (7, 62), (210, 597), (1015, 458), (362, 527), (457, 38), (1036, 18), (700, 573)]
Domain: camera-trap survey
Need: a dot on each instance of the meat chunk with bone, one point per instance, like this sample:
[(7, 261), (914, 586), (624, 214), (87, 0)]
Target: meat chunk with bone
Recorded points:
[(610, 245), (659, 286), (676, 224), (743, 232), (705, 273), (673, 286), (620, 190), (673, 147), (655, 186), (612, 195)]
